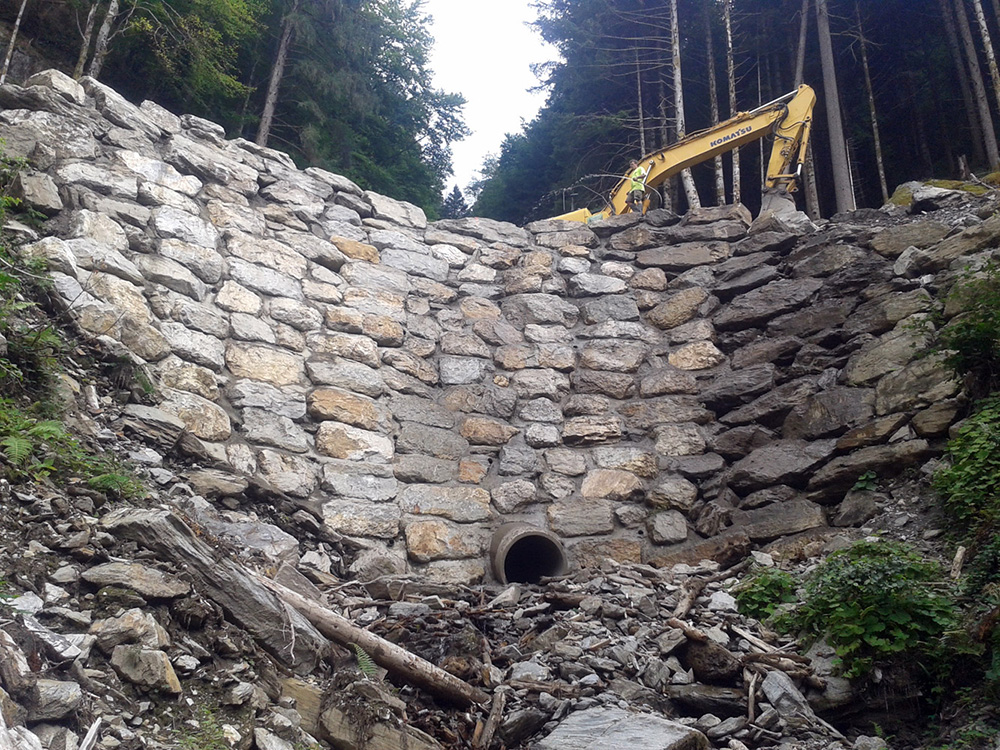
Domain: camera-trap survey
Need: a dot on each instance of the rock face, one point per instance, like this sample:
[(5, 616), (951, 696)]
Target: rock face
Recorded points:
[(640, 384)]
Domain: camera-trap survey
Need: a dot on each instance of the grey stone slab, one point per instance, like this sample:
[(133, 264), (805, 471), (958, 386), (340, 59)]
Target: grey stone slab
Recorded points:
[(614, 728)]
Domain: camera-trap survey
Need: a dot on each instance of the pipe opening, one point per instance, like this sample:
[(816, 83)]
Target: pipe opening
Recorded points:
[(525, 554)]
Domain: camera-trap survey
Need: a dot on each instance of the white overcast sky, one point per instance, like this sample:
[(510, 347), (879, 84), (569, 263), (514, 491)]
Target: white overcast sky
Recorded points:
[(484, 49)]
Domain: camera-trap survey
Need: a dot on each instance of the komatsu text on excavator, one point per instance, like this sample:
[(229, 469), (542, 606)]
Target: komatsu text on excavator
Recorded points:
[(787, 118)]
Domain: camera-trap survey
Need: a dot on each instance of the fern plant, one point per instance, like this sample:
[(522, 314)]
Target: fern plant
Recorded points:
[(37, 449), (366, 664), (17, 449)]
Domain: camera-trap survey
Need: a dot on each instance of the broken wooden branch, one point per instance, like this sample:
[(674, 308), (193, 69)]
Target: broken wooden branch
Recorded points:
[(397, 660), (693, 589), (752, 639), (557, 689), (958, 563), (493, 722), (690, 633), (784, 662), (750, 678)]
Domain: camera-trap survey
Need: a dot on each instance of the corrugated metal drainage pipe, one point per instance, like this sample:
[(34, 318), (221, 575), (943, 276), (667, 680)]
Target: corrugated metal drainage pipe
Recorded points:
[(522, 553)]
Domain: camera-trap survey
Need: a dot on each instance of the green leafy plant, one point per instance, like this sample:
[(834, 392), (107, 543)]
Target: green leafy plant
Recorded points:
[(873, 602), (866, 482), (760, 594), (970, 484), (970, 341), (205, 732), (976, 735), (117, 484), (32, 344)]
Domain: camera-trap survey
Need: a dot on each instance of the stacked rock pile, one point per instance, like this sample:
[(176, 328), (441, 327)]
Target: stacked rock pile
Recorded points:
[(653, 391)]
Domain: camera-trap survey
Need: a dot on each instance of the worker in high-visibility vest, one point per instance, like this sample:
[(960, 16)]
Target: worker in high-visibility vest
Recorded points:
[(637, 188)]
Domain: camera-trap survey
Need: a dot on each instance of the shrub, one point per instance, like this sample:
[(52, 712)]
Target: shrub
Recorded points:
[(971, 340), (760, 595), (873, 602), (970, 485)]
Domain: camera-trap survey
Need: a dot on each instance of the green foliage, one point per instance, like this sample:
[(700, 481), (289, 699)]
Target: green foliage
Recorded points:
[(37, 449), (17, 449), (454, 206), (876, 601), (30, 345), (185, 53), (116, 484), (974, 736), (366, 664), (970, 484), (760, 595), (205, 732), (866, 482), (970, 342), (357, 97), (33, 448)]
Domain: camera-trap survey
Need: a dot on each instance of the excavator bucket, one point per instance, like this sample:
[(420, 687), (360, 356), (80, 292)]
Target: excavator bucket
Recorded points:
[(779, 202)]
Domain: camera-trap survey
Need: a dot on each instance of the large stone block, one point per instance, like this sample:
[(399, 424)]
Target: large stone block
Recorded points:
[(429, 540), (460, 504), (263, 363), (343, 441)]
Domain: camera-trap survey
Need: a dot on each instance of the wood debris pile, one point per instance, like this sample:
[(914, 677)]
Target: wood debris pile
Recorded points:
[(631, 637)]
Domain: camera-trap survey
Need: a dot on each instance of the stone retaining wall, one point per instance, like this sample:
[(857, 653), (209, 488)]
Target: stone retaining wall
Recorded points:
[(648, 390)]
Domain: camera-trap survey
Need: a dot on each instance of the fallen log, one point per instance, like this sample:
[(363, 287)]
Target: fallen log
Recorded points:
[(396, 660)]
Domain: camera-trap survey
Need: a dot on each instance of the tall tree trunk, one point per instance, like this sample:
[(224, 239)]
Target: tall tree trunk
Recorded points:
[(809, 187), (713, 98), (88, 37), (971, 112), (727, 8), (277, 72), (871, 104), (101, 45), (669, 189), (978, 86), (761, 166), (843, 189), (10, 45), (687, 179), (919, 131), (991, 58), (800, 52), (638, 91)]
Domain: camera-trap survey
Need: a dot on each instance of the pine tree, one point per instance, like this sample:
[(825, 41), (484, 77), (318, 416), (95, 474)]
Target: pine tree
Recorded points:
[(454, 206)]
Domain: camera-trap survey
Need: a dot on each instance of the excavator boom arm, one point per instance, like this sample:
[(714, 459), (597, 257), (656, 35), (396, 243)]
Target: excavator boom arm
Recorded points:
[(788, 118)]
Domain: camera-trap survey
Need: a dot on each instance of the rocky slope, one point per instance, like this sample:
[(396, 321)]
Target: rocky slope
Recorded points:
[(351, 402)]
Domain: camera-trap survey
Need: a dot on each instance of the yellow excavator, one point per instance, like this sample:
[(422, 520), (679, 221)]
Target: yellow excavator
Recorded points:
[(788, 118)]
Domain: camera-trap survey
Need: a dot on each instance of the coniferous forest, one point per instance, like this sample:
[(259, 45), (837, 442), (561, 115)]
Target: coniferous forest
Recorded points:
[(340, 84), (923, 71), (909, 89)]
